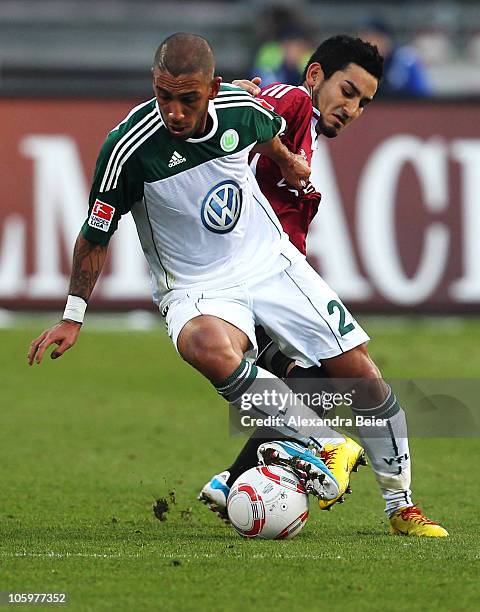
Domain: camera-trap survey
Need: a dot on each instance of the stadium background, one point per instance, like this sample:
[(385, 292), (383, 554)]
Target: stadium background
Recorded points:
[(400, 188), (91, 441)]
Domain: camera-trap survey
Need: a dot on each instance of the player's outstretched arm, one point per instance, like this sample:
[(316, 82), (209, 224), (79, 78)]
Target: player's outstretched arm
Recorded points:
[(88, 260), (294, 168)]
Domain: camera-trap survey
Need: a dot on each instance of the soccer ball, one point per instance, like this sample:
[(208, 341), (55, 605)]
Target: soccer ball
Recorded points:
[(268, 502)]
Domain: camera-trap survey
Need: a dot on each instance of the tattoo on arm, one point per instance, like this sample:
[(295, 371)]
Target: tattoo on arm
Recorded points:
[(88, 260)]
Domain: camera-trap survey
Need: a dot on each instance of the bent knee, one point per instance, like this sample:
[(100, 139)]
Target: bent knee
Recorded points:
[(364, 365), (204, 345), (209, 350), (355, 363)]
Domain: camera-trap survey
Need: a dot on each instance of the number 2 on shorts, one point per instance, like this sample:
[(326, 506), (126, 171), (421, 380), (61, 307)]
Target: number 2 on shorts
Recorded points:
[(342, 328)]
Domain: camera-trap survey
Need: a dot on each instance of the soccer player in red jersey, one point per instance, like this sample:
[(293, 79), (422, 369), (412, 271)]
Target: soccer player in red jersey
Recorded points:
[(295, 210), (335, 89)]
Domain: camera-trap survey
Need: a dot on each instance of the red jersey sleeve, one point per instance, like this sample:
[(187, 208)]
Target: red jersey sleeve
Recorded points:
[(296, 108), (294, 209)]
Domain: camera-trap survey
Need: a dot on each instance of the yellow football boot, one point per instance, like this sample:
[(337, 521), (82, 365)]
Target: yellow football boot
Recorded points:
[(411, 522), (342, 459)]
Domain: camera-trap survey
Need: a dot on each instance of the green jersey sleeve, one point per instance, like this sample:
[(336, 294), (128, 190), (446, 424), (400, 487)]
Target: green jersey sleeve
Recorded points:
[(267, 123), (116, 186)]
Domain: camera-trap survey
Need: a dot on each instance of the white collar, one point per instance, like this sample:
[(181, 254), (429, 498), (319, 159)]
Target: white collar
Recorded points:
[(213, 114)]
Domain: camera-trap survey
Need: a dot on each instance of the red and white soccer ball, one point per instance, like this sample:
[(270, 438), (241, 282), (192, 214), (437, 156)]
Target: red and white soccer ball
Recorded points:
[(268, 502)]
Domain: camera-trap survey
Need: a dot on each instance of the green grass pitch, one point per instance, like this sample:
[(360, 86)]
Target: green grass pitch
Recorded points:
[(90, 441)]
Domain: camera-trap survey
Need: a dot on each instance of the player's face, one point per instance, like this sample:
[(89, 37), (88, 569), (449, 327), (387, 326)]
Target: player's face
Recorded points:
[(183, 101), (342, 98)]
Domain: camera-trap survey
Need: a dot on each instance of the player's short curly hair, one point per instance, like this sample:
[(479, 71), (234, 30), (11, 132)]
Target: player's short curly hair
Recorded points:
[(337, 52)]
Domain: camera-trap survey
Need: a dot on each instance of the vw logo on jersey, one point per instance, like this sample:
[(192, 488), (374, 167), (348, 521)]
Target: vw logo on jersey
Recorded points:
[(221, 207)]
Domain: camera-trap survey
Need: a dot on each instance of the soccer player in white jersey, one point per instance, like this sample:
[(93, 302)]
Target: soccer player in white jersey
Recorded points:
[(218, 256), (179, 164)]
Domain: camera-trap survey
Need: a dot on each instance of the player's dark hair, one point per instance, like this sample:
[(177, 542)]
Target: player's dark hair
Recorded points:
[(337, 52), (184, 53)]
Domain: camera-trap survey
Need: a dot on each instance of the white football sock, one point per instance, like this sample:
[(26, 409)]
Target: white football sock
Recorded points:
[(386, 445)]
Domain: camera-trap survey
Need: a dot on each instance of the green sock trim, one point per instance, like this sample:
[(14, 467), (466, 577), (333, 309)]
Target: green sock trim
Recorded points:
[(233, 376), (386, 410), (235, 385)]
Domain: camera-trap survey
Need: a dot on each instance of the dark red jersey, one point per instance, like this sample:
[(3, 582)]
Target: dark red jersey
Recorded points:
[(295, 210)]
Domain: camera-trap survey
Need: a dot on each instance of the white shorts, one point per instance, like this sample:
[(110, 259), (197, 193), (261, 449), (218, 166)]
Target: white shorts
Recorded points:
[(296, 307)]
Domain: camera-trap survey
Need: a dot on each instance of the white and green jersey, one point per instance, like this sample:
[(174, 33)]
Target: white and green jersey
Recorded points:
[(202, 221)]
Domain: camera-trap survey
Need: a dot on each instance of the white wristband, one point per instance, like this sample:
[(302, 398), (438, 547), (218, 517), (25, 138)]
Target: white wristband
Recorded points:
[(75, 309)]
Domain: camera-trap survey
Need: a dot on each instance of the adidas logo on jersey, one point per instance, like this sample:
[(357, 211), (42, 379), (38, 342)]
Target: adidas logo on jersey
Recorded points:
[(176, 159)]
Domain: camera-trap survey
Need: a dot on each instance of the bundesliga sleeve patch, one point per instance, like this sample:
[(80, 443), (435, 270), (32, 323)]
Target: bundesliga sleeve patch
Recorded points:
[(265, 104), (101, 216)]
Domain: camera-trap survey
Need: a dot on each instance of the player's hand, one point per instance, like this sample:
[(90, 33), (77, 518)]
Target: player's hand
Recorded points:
[(296, 171), (63, 334), (252, 87)]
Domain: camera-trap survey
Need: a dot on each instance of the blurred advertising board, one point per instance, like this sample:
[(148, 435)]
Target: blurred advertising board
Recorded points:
[(398, 228)]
